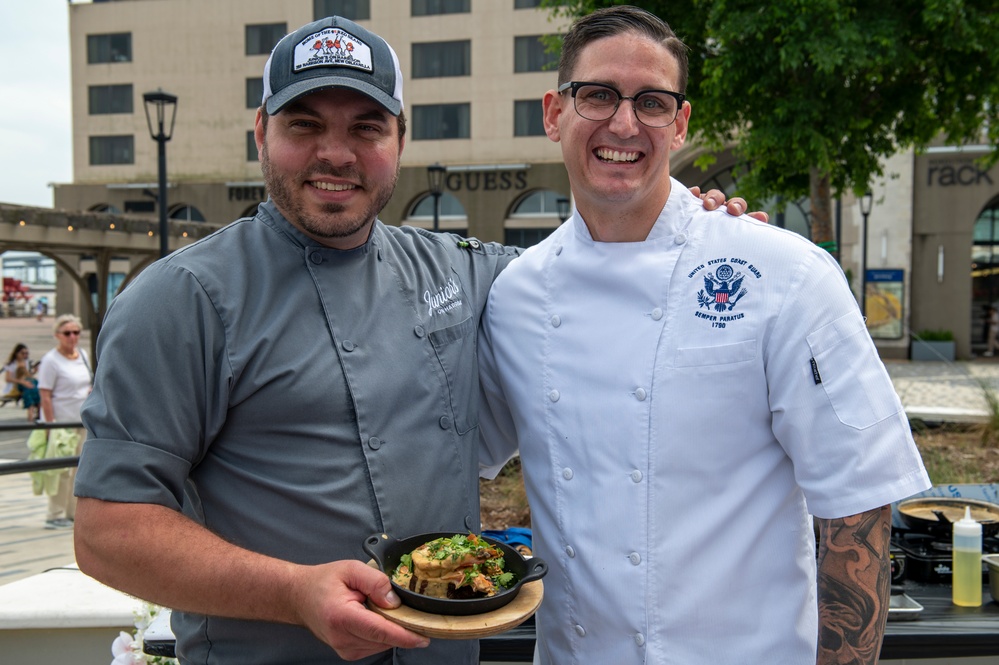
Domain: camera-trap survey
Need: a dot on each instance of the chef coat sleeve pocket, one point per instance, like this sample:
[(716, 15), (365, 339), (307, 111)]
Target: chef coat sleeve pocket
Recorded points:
[(848, 369), (455, 349)]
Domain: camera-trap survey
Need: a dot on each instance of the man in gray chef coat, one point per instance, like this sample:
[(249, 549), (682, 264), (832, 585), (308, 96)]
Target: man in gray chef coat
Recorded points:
[(270, 396)]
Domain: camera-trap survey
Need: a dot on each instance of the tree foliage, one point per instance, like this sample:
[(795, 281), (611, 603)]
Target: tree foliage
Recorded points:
[(813, 92)]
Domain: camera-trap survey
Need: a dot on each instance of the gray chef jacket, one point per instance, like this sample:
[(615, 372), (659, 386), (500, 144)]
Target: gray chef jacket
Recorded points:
[(295, 399)]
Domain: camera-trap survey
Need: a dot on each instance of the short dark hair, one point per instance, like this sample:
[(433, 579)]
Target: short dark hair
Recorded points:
[(612, 21)]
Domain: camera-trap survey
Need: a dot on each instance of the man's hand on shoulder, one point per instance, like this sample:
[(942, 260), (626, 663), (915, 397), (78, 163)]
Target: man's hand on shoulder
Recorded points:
[(715, 198)]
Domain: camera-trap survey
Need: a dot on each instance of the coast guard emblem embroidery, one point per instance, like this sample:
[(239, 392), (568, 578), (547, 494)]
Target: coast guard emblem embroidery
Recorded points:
[(722, 289)]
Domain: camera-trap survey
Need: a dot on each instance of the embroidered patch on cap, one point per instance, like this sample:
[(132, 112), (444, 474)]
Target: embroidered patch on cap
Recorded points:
[(332, 46)]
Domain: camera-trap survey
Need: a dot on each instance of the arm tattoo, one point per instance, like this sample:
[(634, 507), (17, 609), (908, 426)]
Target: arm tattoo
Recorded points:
[(854, 586)]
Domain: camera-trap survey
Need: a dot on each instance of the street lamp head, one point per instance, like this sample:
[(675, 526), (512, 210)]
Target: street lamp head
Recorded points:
[(562, 205), (165, 106), (435, 178), (866, 201)]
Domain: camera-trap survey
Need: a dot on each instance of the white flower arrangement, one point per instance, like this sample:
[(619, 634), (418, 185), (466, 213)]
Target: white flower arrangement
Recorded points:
[(127, 649)]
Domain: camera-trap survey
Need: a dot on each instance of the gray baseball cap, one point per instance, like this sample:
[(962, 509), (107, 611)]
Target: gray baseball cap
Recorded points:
[(332, 53)]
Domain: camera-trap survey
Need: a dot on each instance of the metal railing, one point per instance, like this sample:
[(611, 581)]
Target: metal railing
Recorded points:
[(27, 466)]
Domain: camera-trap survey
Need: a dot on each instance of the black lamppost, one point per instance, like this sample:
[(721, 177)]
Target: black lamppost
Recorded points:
[(562, 205), (865, 209), (435, 180), (165, 106)]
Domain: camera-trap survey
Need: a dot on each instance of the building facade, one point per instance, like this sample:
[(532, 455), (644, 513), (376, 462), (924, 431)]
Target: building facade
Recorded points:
[(475, 72)]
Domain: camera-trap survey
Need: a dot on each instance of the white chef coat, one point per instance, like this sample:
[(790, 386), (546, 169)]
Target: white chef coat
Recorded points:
[(681, 405)]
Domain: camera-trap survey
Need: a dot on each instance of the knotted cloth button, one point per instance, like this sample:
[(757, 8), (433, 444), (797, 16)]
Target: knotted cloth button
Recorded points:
[(639, 639), (553, 395), (445, 422), (347, 345), (374, 443), (635, 558), (419, 331), (316, 257), (657, 314), (636, 476), (580, 630), (680, 238), (556, 321), (567, 473), (640, 394), (571, 553)]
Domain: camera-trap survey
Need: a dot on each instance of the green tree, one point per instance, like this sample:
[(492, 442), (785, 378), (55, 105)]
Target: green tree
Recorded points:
[(815, 93)]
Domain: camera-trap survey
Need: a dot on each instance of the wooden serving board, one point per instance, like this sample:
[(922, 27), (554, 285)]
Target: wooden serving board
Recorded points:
[(472, 626)]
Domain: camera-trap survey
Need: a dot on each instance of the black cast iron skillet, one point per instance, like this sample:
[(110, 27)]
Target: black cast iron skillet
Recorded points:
[(935, 515), (387, 552)]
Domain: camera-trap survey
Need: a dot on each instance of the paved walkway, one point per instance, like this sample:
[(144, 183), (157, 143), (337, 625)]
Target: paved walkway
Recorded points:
[(931, 391), (26, 547)]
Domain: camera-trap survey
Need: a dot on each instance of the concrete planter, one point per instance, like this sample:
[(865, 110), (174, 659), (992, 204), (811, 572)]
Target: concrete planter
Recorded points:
[(923, 350)]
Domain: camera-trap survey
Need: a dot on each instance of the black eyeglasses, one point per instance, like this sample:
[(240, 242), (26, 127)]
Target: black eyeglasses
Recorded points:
[(599, 101), (67, 333)]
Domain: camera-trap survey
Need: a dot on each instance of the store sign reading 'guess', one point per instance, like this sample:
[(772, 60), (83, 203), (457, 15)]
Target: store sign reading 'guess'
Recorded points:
[(473, 181)]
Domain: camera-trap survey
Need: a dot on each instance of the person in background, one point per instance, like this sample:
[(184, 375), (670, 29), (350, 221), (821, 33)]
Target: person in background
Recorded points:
[(19, 357), (272, 395), (30, 397), (992, 330), (64, 380), (730, 391)]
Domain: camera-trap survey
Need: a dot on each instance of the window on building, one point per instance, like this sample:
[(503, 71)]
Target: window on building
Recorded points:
[(262, 38), (541, 202), (451, 217), (441, 121), (355, 10), (251, 148), (254, 92), (533, 218), (109, 208), (528, 118), (984, 269), (186, 213), (526, 4), (140, 206), (450, 207), (530, 55), (112, 150), (104, 99), (115, 47), (525, 237), (435, 59), (431, 7)]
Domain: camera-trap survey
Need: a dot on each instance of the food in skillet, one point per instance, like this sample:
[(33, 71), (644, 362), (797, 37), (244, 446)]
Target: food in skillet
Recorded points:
[(459, 567)]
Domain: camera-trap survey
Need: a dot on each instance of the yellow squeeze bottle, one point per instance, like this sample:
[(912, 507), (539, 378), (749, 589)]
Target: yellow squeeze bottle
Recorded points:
[(967, 561)]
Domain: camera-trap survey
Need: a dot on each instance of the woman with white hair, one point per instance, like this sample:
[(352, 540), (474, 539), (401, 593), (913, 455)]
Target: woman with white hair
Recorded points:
[(64, 381)]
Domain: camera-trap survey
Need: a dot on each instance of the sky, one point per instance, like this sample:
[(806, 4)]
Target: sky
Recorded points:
[(35, 120)]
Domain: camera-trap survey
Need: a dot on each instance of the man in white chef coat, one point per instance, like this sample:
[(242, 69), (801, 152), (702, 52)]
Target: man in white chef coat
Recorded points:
[(685, 392)]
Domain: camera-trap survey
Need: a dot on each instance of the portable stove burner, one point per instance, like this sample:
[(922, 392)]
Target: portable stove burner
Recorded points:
[(929, 559)]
